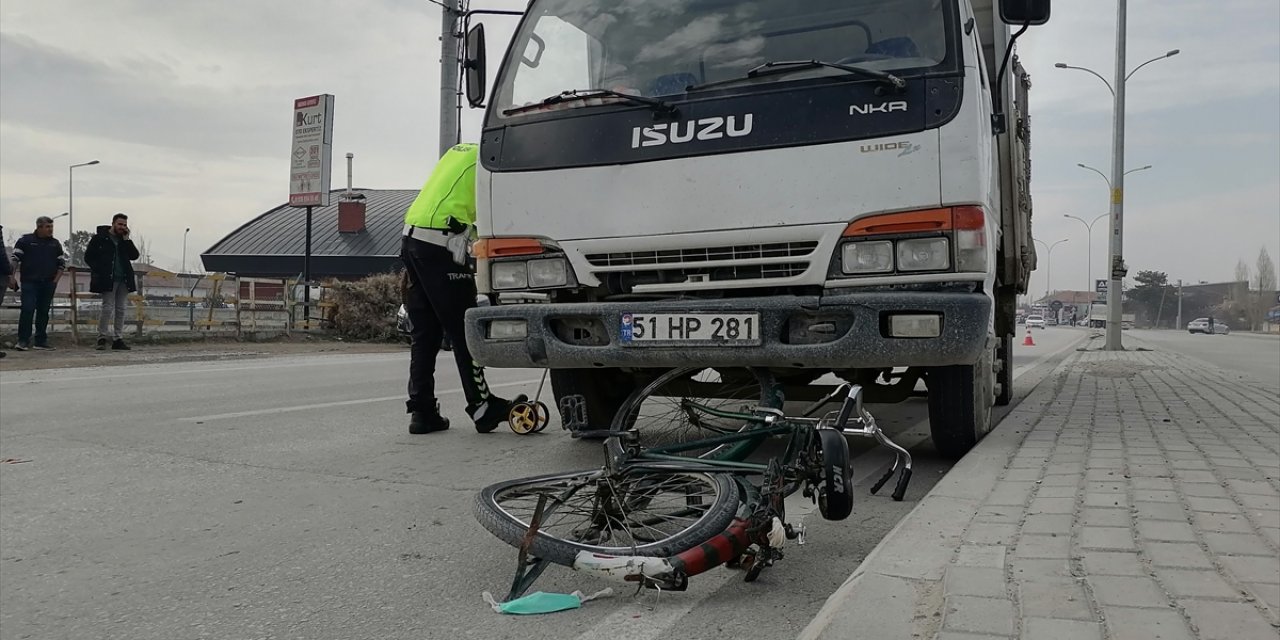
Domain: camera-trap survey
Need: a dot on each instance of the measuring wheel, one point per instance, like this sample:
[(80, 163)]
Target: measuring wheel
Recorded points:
[(528, 417)]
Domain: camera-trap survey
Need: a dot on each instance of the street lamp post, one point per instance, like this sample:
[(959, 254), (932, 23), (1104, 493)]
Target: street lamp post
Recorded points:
[(1089, 227), (184, 249), (71, 236), (1048, 276), (1118, 269)]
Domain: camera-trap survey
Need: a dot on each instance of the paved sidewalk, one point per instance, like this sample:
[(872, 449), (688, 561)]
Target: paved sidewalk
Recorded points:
[(1132, 496)]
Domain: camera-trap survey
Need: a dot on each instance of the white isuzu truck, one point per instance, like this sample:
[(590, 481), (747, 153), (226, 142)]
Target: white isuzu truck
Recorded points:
[(819, 187)]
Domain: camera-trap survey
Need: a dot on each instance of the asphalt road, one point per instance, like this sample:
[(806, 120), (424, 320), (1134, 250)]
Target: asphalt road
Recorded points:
[(283, 498), (1250, 354)]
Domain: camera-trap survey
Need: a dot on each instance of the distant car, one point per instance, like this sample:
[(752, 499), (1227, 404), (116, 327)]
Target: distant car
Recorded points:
[(1020, 319), (1201, 325), (1035, 321)]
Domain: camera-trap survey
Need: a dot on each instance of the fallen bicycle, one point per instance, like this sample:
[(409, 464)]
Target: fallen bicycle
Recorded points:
[(656, 516)]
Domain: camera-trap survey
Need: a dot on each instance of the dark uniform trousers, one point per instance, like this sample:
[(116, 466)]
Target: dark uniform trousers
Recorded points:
[(439, 294)]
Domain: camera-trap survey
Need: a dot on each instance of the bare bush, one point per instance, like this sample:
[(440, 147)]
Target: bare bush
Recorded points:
[(366, 309)]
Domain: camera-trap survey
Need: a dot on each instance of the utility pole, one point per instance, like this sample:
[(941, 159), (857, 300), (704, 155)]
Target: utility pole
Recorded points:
[(448, 75), (1115, 305), (1178, 325)]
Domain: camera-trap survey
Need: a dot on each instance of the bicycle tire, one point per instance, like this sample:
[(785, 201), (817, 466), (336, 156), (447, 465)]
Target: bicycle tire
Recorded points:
[(766, 397), (512, 530)]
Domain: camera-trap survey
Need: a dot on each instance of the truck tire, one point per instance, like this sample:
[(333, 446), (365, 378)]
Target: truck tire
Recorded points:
[(960, 399), (604, 391), (1004, 372)]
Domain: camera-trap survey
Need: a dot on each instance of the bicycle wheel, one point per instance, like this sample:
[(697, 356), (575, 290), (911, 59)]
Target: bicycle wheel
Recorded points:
[(661, 411), (645, 513)]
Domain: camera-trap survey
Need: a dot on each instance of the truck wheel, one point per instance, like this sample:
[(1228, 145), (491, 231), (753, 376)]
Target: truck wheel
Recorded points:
[(604, 391), (960, 399), (1004, 374)]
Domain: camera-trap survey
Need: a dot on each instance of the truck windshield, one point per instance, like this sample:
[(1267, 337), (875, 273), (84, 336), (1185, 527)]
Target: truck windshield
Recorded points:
[(661, 47)]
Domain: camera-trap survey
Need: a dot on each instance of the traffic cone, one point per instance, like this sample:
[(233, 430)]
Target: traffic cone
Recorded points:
[(1028, 342)]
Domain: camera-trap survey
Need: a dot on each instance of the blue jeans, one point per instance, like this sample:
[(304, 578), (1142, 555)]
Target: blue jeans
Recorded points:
[(36, 299)]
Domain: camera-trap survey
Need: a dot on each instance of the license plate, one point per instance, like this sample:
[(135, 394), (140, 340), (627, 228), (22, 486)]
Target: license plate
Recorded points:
[(730, 329)]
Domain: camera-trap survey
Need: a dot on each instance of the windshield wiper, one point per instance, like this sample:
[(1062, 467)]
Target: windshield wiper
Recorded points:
[(658, 106), (787, 66)]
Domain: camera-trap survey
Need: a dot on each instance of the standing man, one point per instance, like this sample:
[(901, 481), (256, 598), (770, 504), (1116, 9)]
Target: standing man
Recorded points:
[(39, 260), (441, 287), (109, 255), (7, 281)]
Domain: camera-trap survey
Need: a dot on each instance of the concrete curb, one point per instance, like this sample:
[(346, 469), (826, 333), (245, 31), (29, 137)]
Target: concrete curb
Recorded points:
[(896, 592)]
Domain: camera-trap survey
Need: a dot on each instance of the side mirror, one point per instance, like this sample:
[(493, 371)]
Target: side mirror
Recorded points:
[(1020, 12), (474, 66)]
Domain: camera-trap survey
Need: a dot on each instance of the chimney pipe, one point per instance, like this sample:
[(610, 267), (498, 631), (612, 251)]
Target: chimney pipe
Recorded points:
[(349, 157)]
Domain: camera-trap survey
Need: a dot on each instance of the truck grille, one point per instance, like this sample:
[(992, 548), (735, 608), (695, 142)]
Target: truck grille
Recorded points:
[(694, 275), (734, 253)]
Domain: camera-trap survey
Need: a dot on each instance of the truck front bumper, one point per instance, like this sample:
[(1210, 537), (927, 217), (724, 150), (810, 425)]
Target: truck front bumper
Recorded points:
[(836, 331)]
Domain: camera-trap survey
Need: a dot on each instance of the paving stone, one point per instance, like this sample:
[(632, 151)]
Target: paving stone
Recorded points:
[(1187, 583), (1272, 534), (1054, 600), (1266, 503), (1269, 594), (1146, 624), (1203, 490), (999, 515), (1194, 476), (1106, 500), (1152, 484), (1041, 546), (1159, 511), (1050, 629), (1072, 480), (960, 635), (1166, 531), (1126, 591), (1057, 492), (1247, 569), (1105, 517), (1021, 474), (1117, 538), (1010, 494), (1150, 470), (1227, 620), (1148, 495), (1041, 570), (1052, 505), (989, 533), (975, 581), (1252, 487), (1047, 523), (1112, 563), (980, 615), (1237, 544), (972, 555), (1177, 555), (1189, 465), (1222, 523), (1212, 505)]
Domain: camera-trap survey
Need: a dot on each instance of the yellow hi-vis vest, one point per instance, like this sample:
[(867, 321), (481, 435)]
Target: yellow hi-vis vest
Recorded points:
[(449, 192)]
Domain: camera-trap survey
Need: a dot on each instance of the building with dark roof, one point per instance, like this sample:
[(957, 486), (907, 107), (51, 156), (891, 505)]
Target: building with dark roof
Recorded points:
[(349, 238)]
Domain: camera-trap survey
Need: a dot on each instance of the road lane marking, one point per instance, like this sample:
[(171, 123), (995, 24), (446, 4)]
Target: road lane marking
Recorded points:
[(341, 403)]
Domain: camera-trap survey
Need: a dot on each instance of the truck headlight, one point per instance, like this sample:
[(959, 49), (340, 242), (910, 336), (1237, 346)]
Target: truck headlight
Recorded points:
[(509, 275), (924, 254), (867, 257), (548, 272)]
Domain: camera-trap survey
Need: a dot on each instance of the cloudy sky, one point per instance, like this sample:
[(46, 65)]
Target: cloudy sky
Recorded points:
[(186, 105)]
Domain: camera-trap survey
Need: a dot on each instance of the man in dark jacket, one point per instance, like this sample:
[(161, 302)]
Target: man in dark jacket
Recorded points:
[(109, 256), (40, 261)]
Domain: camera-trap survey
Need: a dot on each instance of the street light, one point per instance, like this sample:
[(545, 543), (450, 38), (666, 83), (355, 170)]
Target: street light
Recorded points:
[(71, 236), (184, 249), (1089, 226), (1104, 176), (1048, 275), (1118, 269)]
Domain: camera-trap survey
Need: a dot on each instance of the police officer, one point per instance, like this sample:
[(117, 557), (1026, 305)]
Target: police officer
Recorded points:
[(438, 230)]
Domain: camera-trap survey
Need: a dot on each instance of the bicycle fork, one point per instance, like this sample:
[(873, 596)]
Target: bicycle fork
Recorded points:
[(865, 426)]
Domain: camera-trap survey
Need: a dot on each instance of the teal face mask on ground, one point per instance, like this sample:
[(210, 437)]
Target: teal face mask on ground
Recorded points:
[(543, 602)]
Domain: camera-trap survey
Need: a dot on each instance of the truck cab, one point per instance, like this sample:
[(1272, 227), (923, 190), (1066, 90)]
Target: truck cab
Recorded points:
[(818, 187)]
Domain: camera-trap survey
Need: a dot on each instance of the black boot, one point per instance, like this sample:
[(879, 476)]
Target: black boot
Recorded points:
[(493, 412), (102, 344), (421, 422), (119, 345)]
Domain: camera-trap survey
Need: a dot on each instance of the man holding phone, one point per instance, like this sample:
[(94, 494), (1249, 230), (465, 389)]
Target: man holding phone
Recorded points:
[(109, 255)]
